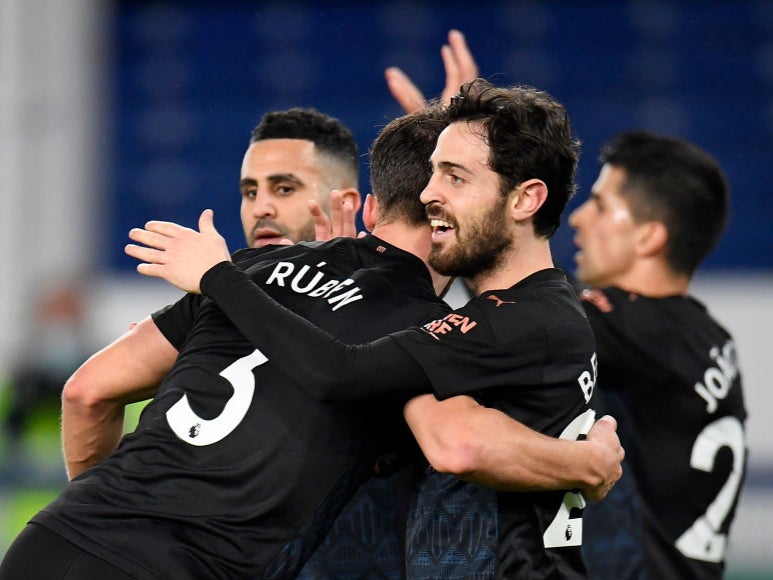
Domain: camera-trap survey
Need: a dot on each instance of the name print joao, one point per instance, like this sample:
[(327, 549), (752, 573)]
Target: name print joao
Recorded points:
[(317, 286)]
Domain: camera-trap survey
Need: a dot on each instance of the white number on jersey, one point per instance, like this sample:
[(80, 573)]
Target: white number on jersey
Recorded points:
[(702, 540), (564, 530), (192, 429)]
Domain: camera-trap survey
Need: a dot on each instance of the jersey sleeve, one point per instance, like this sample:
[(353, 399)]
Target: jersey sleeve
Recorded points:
[(175, 320), (324, 366)]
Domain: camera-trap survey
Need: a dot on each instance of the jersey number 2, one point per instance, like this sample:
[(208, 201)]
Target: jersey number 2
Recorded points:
[(703, 540), (192, 429), (564, 530)]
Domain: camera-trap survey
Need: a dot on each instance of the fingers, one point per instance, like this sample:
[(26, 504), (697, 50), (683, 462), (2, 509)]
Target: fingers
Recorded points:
[(341, 216), (143, 254), (460, 67), (341, 221), (150, 270), (169, 229), (207, 221), (459, 64), (149, 237), (322, 224), (466, 65), (348, 227), (609, 419), (453, 79), (405, 92)]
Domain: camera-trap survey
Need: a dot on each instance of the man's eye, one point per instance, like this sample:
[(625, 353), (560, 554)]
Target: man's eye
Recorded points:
[(455, 178), (249, 193), (285, 190)]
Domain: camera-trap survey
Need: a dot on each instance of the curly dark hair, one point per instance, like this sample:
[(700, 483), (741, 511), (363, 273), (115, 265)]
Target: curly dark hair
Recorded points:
[(529, 136)]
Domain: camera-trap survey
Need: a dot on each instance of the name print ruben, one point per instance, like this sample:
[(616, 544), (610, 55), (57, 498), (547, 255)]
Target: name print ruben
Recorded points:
[(315, 284)]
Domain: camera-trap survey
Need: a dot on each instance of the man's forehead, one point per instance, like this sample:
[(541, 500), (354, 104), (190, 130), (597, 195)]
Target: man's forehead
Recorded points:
[(298, 149), (270, 156), (609, 181), (460, 143)]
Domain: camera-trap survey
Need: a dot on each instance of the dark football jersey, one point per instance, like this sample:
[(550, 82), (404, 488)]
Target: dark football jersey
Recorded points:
[(233, 470), (367, 539), (669, 374), (529, 352)]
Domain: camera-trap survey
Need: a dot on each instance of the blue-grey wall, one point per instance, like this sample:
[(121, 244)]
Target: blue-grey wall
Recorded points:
[(191, 78)]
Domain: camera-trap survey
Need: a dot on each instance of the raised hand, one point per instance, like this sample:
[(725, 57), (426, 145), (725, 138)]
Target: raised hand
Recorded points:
[(460, 67), (178, 254), (341, 221)]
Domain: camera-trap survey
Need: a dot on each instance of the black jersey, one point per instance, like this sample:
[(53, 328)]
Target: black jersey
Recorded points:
[(527, 351), (668, 372), (233, 470)]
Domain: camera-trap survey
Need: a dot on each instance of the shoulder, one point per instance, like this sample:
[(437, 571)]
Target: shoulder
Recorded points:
[(544, 296)]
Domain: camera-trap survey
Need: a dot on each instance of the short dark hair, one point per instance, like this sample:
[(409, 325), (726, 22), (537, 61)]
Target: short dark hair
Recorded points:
[(400, 165), (329, 135), (670, 180), (529, 135)]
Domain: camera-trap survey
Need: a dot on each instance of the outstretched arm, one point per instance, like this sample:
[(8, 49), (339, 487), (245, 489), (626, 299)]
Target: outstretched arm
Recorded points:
[(324, 366), (457, 435), (485, 446), (460, 68), (93, 399)]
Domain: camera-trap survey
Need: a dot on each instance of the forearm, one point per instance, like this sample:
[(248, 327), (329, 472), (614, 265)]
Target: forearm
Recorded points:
[(93, 415), (89, 433), (487, 447), (93, 399), (325, 367)]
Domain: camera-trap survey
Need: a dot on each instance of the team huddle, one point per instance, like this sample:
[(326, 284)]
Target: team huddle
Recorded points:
[(318, 411)]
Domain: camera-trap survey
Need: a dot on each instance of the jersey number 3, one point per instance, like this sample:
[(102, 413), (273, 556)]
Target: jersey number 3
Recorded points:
[(192, 429)]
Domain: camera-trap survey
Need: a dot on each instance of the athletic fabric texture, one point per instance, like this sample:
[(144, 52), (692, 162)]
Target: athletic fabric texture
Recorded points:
[(233, 470), (669, 374)]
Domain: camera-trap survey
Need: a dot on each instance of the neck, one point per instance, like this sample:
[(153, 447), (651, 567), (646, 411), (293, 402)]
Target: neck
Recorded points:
[(414, 240), (652, 279), (521, 260)]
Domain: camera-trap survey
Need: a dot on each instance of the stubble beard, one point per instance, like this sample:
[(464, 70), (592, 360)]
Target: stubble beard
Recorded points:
[(481, 249)]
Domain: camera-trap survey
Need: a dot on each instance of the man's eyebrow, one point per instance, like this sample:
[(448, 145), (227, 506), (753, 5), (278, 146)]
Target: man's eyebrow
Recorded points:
[(451, 166), (279, 177), (276, 178)]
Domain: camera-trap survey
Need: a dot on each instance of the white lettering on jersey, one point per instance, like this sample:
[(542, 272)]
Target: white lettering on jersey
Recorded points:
[(314, 285), (718, 380), (587, 379)]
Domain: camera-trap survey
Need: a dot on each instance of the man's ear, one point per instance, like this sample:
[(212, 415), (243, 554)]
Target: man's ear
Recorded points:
[(527, 198), (370, 212), (652, 238), (351, 195)]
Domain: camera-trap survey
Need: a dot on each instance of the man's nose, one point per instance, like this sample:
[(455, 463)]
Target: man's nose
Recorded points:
[(431, 192), (262, 206), (575, 217)]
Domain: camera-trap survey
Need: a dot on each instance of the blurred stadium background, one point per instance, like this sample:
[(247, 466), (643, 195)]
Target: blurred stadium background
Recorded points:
[(113, 113)]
